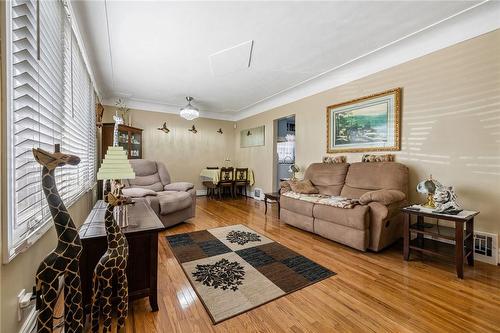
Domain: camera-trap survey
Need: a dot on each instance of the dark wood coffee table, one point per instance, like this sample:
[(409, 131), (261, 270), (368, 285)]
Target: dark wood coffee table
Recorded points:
[(142, 237), (272, 196), (462, 250)]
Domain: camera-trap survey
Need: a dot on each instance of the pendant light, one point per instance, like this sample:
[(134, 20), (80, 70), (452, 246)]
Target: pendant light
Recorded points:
[(189, 112)]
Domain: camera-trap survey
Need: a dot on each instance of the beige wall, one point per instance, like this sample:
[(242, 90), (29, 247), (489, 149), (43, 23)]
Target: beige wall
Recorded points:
[(183, 152), (450, 115)]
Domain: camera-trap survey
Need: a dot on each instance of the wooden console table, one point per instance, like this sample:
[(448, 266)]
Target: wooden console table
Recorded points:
[(461, 250), (142, 237)]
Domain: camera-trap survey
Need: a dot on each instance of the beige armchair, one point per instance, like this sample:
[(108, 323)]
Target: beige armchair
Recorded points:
[(172, 202)]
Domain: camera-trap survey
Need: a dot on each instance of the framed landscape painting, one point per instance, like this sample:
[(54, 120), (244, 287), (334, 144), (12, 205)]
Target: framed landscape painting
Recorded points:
[(370, 123)]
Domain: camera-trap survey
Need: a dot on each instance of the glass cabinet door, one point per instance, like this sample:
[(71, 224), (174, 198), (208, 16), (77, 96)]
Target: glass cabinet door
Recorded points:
[(135, 145), (123, 139)]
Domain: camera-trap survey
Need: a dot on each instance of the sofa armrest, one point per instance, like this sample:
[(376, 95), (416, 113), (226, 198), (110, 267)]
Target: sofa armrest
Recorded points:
[(137, 192), (385, 197), (178, 186)]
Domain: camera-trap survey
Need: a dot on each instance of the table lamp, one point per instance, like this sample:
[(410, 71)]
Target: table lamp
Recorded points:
[(116, 167)]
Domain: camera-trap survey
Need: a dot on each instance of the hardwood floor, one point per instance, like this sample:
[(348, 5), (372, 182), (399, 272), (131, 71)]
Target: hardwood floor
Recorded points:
[(372, 292)]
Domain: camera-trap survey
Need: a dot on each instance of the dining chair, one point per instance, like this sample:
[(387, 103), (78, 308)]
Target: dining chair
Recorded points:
[(211, 187), (241, 180), (226, 180)]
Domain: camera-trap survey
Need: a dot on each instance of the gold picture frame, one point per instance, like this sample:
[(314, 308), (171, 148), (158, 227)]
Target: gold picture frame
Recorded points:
[(369, 123)]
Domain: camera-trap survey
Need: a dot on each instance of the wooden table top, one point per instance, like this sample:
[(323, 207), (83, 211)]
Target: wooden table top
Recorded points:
[(141, 219), (464, 215)]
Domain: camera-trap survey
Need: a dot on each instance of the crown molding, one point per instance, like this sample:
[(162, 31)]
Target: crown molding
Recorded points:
[(152, 106), (469, 23)]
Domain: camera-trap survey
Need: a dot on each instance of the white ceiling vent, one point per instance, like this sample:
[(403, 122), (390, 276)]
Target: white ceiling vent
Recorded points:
[(233, 59)]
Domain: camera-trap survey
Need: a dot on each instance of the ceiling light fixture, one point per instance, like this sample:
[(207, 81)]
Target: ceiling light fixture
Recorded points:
[(189, 112)]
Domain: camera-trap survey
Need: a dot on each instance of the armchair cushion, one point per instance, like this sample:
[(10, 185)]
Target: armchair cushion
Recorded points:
[(173, 201), (137, 192), (178, 186), (385, 197)]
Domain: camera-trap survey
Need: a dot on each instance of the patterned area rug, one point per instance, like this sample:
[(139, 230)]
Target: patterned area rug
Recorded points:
[(235, 269)]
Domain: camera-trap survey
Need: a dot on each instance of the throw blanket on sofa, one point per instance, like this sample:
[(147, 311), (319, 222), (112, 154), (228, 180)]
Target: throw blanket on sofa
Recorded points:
[(339, 202)]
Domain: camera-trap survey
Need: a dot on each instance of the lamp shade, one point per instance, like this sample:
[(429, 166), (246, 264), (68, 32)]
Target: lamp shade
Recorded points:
[(115, 165)]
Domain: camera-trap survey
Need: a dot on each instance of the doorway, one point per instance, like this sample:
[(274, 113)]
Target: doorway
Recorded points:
[(284, 149)]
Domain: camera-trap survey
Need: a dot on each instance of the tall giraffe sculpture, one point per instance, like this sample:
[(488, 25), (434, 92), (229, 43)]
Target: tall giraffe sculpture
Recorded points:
[(118, 121), (112, 265), (63, 260)]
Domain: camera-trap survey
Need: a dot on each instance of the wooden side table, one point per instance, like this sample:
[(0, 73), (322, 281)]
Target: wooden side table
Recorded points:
[(463, 247), (272, 196), (142, 237)]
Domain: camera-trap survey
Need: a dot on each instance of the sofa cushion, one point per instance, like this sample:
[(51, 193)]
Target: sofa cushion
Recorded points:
[(172, 201), (178, 186), (365, 177), (385, 197), (303, 186), (377, 158), (137, 192), (328, 178), (356, 217), (297, 206), (285, 186)]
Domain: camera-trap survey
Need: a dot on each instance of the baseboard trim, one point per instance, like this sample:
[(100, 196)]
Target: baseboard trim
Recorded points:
[(29, 324), (200, 193)]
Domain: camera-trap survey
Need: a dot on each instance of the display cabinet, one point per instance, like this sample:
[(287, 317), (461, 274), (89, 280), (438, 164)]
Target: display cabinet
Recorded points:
[(130, 138)]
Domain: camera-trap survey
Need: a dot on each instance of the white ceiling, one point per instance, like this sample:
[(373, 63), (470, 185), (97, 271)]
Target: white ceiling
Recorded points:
[(155, 53)]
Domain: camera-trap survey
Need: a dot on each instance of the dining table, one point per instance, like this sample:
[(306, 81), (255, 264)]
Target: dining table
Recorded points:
[(213, 175)]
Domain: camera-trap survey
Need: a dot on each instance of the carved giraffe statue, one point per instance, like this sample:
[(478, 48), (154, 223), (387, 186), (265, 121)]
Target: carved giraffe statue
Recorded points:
[(118, 121), (112, 265), (63, 261)]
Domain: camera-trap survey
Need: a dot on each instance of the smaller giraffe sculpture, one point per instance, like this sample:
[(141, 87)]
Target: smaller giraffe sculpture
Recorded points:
[(110, 269), (64, 259)]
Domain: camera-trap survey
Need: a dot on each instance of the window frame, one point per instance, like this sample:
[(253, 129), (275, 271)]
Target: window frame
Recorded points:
[(11, 248)]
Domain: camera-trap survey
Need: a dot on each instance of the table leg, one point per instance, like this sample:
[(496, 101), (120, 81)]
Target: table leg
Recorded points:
[(459, 248), (406, 237), (153, 280), (469, 228), (420, 223), (265, 205), (278, 208)]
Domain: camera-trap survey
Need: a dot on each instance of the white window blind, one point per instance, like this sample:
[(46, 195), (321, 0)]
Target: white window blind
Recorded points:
[(50, 101)]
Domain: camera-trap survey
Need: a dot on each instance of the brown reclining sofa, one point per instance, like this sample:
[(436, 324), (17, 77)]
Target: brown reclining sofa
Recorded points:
[(381, 187)]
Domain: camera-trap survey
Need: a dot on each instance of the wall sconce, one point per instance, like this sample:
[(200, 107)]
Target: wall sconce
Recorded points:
[(193, 130), (164, 128), (249, 133), (220, 131)]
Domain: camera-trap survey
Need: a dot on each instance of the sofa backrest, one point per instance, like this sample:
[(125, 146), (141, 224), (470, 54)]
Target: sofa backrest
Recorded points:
[(328, 178), (148, 174), (363, 177)]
